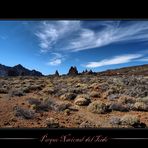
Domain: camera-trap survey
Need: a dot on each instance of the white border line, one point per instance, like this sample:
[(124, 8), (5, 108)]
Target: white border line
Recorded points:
[(18, 138), (130, 138)]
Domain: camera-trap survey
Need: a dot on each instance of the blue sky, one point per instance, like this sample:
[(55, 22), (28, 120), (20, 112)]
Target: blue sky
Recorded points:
[(49, 45)]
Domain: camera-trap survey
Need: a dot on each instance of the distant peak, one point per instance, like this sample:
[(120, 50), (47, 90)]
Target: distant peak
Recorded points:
[(19, 65)]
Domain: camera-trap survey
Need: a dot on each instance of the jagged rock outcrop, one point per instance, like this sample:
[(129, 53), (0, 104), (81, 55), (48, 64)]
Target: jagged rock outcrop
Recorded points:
[(87, 72), (73, 71), (17, 70), (56, 73)]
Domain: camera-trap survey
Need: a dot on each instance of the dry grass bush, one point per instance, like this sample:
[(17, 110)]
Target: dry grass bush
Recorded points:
[(33, 101), (3, 90), (140, 106), (16, 92), (144, 99), (87, 124), (23, 113), (52, 123), (30, 88), (95, 94), (98, 107), (129, 120), (115, 120), (126, 100), (68, 96), (81, 101), (118, 107)]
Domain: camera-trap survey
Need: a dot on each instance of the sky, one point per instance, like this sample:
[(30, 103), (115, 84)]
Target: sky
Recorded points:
[(50, 45)]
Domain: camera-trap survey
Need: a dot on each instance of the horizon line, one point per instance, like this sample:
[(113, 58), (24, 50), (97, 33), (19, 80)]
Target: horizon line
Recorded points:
[(76, 67)]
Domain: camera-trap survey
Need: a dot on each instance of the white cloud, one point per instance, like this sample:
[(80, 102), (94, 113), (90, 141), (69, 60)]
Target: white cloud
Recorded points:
[(115, 60), (143, 59), (113, 32), (51, 32), (75, 37), (56, 60)]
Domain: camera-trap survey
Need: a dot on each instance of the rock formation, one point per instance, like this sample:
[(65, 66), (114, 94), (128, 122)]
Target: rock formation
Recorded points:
[(56, 73), (73, 71)]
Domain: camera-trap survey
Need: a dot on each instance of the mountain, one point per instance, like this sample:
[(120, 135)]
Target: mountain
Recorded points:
[(133, 70), (17, 70), (4, 70)]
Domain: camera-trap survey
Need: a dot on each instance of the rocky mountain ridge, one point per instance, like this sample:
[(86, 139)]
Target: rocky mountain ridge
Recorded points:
[(17, 70)]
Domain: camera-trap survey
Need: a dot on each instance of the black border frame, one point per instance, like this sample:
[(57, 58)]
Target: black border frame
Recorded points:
[(123, 136)]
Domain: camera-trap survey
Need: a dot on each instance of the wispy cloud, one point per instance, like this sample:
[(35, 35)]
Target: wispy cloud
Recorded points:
[(56, 60), (51, 32), (113, 61), (3, 37), (143, 59), (74, 36)]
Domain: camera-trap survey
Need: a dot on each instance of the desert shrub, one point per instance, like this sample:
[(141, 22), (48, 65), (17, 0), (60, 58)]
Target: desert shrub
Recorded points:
[(35, 87), (86, 96), (63, 106), (18, 93), (3, 90), (140, 106), (81, 101), (95, 94), (26, 89), (30, 88), (113, 96), (68, 96), (47, 105), (126, 100), (118, 81), (81, 85), (87, 124), (137, 92), (49, 90), (34, 106), (139, 125), (97, 107), (144, 99), (74, 108), (2, 82), (33, 101), (118, 107), (85, 79), (42, 107), (52, 123), (113, 90), (75, 90), (52, 105), (129, 120), (104, 87), (115, 121), (67, 112), (23, 113), (94, 86)]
